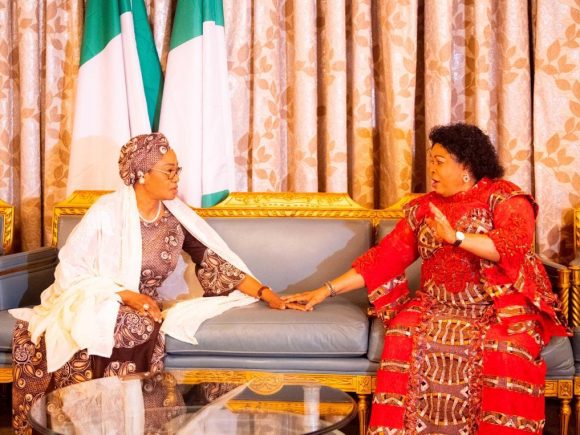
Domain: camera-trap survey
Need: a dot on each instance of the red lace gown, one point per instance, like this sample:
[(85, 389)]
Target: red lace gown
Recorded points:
[(463, 355)]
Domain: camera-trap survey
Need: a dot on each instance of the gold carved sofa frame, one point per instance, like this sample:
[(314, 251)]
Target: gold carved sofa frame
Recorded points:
[(7, 227), (327, 206)]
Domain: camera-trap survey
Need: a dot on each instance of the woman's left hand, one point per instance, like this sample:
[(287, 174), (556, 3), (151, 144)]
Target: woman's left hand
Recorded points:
[(308, 299), (277, 303), (143, 304), (440, 225)]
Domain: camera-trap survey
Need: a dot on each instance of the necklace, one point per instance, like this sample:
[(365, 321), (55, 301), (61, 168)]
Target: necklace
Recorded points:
[(150, 221)]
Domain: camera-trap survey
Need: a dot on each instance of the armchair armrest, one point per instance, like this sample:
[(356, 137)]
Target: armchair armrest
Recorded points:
[(551, 264), (575, 295), (24, 260), (23, 285), (6, 227)]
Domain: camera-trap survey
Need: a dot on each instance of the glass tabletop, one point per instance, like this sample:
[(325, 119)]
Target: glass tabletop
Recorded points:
[(162, 403)]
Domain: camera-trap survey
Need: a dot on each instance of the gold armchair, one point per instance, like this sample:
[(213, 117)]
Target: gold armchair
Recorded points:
[(574, 311), (6, 227)]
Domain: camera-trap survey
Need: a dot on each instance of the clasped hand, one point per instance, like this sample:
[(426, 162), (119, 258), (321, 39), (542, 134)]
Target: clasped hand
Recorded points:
[(308, 299), (281, 304)]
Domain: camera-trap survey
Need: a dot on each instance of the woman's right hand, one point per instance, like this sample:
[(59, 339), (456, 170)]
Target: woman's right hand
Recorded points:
[(143, 304), (310, 298)]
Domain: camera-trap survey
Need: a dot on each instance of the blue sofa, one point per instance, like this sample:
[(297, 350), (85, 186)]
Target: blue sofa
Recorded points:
[(292, 242)]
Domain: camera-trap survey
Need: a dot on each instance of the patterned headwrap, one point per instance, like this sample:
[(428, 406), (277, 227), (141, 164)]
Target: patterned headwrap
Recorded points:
[(140, 154)]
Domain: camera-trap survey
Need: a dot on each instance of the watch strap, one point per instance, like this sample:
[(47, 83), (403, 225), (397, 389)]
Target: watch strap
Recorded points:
[(458, 240)]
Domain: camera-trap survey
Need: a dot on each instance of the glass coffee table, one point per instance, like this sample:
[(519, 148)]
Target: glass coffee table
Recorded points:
[(162, 403)]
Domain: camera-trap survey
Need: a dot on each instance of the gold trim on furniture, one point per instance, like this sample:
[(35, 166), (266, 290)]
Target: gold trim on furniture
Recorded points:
[(289, 204), (564, 291), (252, 205), (575, 278), (5, 375), (266, 406), (577, 407), (325, 205), (575, 296), (564, 390), (577, 232), (269, 382), (75, 205), (7, 211)]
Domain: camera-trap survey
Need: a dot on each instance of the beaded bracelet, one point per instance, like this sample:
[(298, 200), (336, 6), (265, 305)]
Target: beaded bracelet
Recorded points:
[(261, 290), (330, 288)]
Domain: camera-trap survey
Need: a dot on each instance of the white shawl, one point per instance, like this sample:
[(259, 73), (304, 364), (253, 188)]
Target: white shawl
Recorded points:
[(102, 256)]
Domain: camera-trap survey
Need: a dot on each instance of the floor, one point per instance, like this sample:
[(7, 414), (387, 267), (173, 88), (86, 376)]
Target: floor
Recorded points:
[(552, 416)]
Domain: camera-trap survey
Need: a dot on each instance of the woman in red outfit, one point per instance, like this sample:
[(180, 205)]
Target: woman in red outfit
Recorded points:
[(463, 355)]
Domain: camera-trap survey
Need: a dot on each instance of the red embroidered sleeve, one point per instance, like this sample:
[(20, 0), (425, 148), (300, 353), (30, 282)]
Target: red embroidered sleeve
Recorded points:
[(512, 235), (389, 259), (383, 269)]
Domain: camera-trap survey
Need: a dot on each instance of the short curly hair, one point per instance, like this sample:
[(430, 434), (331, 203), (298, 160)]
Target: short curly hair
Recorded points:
[(471, 147)]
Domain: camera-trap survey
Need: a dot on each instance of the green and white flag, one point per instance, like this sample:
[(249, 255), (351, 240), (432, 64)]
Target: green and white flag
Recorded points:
[(196, 113), (118, 91)]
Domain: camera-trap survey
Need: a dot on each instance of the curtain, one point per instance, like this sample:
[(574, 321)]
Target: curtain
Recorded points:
[(328, 95)]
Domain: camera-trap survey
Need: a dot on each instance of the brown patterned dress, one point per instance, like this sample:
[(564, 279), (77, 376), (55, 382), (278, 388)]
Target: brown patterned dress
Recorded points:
[(139, 345)]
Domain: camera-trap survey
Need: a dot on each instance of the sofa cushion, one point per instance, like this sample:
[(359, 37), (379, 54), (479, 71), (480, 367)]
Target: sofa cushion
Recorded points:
[(559, 358), (66, 223), (303, 252), (337, 328), (296, 254), (339, 366), (557, 354), (6, 326), (22, 288)]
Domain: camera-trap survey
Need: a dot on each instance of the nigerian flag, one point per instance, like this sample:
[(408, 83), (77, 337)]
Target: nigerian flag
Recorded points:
[(118, 91), (196, 112)]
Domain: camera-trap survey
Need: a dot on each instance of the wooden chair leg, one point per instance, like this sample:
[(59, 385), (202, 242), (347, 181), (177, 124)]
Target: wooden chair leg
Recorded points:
[(362, 413), (577, 431), (565, 411)]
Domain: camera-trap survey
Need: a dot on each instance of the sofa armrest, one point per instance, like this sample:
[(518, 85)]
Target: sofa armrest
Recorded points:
[(551, 264), (376, 340), (24, 260), (23, 286)]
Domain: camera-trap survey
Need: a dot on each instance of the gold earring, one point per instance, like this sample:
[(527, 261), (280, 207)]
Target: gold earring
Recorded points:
[(465, 178)]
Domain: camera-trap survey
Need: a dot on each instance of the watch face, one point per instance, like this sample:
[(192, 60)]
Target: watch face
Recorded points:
[(459, 235)]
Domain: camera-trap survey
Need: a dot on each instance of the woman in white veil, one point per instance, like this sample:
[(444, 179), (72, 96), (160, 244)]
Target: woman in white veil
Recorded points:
[(102, 315)]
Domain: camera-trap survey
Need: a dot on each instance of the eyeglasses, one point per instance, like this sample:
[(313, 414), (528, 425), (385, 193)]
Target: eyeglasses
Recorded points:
[(171, 174)]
